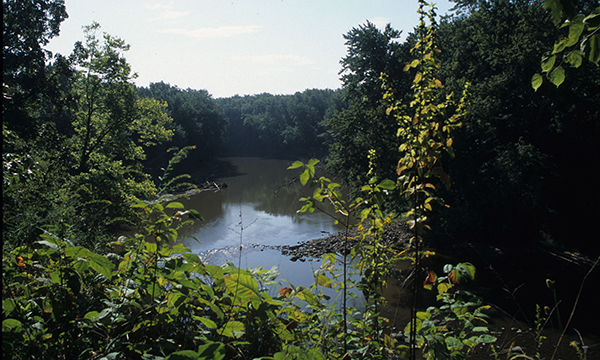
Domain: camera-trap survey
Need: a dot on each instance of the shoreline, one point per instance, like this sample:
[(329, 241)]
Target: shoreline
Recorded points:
[(396, 235)]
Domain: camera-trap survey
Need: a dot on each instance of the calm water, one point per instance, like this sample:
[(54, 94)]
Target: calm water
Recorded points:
[(258, 207)]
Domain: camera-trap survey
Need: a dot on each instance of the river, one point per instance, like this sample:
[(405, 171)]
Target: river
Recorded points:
[(258, 207)]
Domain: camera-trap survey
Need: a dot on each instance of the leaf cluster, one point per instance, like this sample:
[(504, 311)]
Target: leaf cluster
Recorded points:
[(455, 327), (148, 298), (582, 41)]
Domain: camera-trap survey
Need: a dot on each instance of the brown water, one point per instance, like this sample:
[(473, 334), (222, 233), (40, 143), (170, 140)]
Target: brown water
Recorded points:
[(258, 207)]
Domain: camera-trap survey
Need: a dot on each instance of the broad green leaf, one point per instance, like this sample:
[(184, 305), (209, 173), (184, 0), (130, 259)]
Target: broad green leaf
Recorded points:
[(9, 325), (442, 288), (575, 30), (140, 204), (324, 281), (591, 48), (423, 315), (548, 63), (8, 305), (175, 299), (309, 297), (304, 177), (207, 322), (471, 341), (536, 81), (480, 329), (104, 313), (364, 213), (453, 343), (312, 162), (332, 186), (575, 58), (557, 76), (486, 339), (387, 184), (151, 247), (295, 165), (48, 243), (97, 262), (191, 258), (463, 272), (560, 46), (175, 205), (234, 329), (243, 285), (408, 326), (91, 315)]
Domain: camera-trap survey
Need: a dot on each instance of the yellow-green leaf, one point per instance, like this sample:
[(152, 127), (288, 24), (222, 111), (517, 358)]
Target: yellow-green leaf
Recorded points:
[(324, 281), (295, 165), (304, 177), (536, 81), (234, 329), (387, 184), (548, 63), (175, 205), (575, 58), (557, 76)]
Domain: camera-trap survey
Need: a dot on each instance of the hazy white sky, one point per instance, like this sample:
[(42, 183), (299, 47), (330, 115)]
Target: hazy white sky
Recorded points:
[(233, 47)]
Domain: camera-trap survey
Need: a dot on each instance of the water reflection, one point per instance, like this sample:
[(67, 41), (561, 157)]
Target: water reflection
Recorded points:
[(257, 207), (260, 202)]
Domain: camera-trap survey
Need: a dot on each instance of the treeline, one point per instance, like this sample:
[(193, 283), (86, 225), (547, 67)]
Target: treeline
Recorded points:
[(81, 142), (522, 157), (279, 125), (77, 144), (520, 174), (284, 126), (197, 122)]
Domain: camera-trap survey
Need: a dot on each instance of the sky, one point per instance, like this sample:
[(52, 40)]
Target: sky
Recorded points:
[(235, 47)]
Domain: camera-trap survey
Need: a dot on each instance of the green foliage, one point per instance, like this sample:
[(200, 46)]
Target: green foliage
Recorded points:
[(111, 122), (424, 131), (424, 127), (582, 41), (517, 148), (362, 333), (78, 166), (452, 329), (197, 120), (362, 124), (150, 297), (72, 164), (168, 181), (27, 27), (279, 125)]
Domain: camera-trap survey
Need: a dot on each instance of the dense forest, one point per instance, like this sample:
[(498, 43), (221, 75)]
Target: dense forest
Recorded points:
[(86, 154)]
